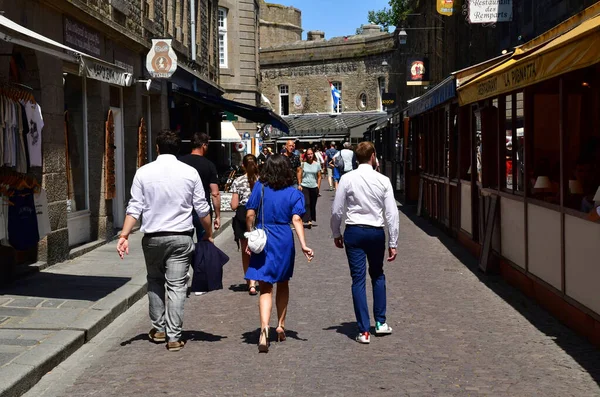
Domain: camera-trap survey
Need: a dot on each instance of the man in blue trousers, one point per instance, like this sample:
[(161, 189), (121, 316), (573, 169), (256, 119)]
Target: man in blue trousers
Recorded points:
[(367, 198)]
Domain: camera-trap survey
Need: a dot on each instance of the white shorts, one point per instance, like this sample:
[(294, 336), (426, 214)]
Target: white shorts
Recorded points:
[(329, 172)]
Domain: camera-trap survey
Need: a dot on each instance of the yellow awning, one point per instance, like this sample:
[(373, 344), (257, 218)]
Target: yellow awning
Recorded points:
[(575, 49)]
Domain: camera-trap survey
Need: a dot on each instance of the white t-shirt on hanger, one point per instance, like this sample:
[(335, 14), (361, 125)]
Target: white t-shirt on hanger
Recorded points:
[(41, 209), (34, 136)]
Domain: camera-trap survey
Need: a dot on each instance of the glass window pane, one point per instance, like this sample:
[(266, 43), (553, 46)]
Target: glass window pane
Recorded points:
[(76, 154)]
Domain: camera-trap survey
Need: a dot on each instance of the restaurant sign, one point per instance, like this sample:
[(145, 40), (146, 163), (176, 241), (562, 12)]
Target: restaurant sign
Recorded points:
[(388, 99), (161, 61), (490, 11)]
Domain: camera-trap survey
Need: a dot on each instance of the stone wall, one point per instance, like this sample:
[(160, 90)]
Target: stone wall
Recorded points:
[(311, 81), (279, 24), (307, 67)]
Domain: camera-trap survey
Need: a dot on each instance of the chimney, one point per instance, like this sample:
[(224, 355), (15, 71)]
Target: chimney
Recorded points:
[(314, 35), (368, 30)]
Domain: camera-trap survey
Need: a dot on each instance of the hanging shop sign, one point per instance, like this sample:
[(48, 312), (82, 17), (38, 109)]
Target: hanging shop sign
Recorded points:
[(490, 11), (106, 72), (82, 38), (445, 7), (417, 71), (161, 61), (388, 99)]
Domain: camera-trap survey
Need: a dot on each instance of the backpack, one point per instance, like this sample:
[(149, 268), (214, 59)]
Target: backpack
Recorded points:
[(338, 162)]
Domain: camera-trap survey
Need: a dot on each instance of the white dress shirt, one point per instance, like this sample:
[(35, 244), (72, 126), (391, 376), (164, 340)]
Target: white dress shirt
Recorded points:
[(164, 193), (366, 195)]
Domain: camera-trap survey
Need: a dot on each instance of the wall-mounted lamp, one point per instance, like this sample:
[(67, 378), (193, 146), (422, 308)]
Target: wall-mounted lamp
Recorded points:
[(147, 82), (384, 63), (402, 37)]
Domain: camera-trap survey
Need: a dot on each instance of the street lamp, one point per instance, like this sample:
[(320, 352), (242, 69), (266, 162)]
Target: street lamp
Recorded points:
[(402, 36)]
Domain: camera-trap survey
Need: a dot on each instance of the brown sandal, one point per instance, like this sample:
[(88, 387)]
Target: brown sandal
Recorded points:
[(252, 290)]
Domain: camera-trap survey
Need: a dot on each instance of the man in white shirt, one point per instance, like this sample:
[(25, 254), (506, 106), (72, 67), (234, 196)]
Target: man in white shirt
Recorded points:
[(367, 198), (164, 193)]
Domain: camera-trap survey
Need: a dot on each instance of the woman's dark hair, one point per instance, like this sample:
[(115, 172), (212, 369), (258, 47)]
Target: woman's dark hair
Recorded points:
[(251, 168), (277, 172), (168, 142)]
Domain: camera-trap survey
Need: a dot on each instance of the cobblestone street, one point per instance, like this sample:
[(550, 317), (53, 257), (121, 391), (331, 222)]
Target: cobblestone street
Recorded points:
[(456, 333)]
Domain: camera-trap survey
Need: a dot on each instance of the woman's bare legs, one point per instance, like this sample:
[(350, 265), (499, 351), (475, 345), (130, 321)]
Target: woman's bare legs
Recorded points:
[(265, 303), (281, 301), (246, 261)]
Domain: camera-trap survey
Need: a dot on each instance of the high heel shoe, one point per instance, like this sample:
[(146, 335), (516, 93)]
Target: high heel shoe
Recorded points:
[(280, 334), (263, 341)]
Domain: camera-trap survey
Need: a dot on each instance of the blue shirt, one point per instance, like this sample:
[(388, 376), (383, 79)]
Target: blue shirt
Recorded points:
[(330, 153)]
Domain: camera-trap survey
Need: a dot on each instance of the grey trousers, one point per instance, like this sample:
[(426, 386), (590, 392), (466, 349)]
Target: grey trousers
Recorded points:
[(168, 260)]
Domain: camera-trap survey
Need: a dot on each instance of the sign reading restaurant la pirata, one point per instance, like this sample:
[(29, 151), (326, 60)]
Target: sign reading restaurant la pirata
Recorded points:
[(490, 11), (161, 61)]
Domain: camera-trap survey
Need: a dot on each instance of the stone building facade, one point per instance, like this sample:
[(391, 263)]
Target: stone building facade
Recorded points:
[(75, 105), (295, 76), (238, 57), (279, 24)]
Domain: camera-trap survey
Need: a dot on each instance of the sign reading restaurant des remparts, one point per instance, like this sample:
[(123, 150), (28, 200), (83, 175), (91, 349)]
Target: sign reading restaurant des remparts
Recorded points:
[(161, 61), (490, 11), (82, 38)]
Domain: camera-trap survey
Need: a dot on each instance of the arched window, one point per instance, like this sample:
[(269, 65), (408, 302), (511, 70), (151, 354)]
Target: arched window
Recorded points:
[(362, 101)]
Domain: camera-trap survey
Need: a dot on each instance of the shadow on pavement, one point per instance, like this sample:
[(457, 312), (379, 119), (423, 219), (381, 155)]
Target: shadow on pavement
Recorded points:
[(251, 337), (239, 288), (201, 336), (348, 329), (196, 336), (576, 346), (65, 286)]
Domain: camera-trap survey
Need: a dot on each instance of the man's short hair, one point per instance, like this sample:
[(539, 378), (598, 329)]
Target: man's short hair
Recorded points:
[(199, 139), (347, 145), (364, 151), (332, 144), (168, 142)]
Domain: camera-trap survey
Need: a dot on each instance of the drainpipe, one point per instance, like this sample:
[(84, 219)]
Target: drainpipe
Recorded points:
[(193, 23)]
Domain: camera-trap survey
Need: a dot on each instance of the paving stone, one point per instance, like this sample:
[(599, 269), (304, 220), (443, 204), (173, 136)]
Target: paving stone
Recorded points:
[(4, 301), (19, 342), (52, 303), (5, 358), (24, 302), (76, 304), (15, 312)]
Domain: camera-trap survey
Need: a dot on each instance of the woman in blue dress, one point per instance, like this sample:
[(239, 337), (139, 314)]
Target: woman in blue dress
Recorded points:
[(275, 264)]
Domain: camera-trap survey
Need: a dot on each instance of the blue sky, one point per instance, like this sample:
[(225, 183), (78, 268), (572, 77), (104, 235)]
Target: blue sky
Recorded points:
[(334, 17)]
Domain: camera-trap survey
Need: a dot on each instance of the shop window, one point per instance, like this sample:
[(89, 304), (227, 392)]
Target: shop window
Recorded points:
[(582, 140), (284, 100), (76, 153), (543, 167), (222, 37), (477, 169)]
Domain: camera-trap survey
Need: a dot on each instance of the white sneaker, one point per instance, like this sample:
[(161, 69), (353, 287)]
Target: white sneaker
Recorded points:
[(364, 338), (199, 293), (382, 329)]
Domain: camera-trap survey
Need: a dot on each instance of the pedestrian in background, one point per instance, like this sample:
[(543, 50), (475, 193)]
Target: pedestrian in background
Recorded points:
[(337, 169), (241, 188), (310, 183), (276, 200), (332, 151), (208, 175), (362, 199), (347, 154), (164, 194), (295, 163), (263, 156)]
